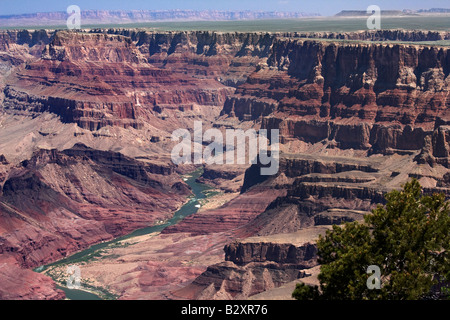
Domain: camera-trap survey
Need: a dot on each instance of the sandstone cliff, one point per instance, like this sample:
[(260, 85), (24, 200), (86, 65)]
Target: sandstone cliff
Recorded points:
[(98, 80), (374, 97), (257, 264)]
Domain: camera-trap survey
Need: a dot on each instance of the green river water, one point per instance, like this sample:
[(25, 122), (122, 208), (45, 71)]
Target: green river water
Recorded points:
[(199, 192)]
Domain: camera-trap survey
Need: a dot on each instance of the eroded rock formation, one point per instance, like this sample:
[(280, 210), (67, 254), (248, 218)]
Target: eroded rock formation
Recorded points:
[(375, 97), (86, 121)]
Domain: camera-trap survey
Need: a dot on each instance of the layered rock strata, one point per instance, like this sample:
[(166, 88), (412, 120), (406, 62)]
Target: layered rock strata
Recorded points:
[(255, 265), (382, 98), (57, 203)]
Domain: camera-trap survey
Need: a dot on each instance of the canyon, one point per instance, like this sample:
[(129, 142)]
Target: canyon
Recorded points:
[(85, 138)]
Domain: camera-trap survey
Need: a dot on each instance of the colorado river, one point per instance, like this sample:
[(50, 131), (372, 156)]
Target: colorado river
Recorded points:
[(190, 207)]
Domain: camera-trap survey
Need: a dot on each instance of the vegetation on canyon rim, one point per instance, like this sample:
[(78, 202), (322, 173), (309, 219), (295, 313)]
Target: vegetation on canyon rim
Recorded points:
[(408, 238)]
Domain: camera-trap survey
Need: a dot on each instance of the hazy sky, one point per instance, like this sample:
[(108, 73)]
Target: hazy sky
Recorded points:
[(324, 7)]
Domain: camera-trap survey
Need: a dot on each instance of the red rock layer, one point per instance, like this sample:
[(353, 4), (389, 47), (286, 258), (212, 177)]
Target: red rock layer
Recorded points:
[(59, 202), (233, 215), (97, 80), (362, 96)]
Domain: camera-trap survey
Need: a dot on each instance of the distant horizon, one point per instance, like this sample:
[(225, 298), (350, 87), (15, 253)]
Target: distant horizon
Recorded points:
[(320, 7), (307, 14), (160, 10)]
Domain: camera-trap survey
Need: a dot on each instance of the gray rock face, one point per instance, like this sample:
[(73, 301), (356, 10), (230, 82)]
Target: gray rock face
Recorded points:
[(243, 253)]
